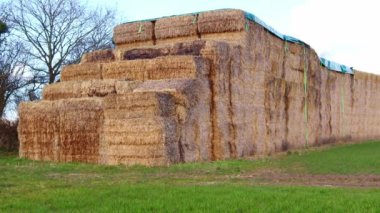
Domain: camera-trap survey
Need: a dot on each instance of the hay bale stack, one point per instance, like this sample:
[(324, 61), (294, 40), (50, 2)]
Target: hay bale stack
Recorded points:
[(250, 94), (367, 96), (144, 126), (177, 26), (106, 55), (325, 130), (214, 86), (360, 109), (81, 72), (192, 108), (66, 130), (228, 98), (133, 32)]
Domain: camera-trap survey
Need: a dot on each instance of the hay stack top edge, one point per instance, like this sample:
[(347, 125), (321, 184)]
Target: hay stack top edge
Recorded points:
[(147, 29)]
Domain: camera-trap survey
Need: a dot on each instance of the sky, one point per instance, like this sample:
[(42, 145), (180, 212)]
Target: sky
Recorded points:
[(344, 31)]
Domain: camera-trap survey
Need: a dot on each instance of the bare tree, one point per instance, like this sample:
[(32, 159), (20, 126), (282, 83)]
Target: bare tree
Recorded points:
[(59, 32), (3, 27), (12, 69)]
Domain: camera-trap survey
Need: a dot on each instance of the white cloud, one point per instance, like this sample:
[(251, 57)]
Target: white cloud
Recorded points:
[(343, 31)]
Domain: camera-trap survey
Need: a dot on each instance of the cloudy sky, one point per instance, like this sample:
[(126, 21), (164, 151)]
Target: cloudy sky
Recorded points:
[(344, 31)]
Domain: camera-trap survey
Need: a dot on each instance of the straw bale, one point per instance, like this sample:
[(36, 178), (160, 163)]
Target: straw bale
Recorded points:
[(295, 62), (172, 140), (145, 125), (138, 105), (159, 68), (189, 107), (145, 53), (101, 88), (38, 130), (106, 55), (66, 130), (135, 138), (140, 119), (81, 72), (169, 85), (80, 125), (79, 89), (176, 40), (64, 90), (133, 32), (362, 76), (230, 37), (131, 100), (130, 161), (187, 93), (142, 122), (179, 48), (221, 21), (176, 67), (295, 49), (139, 151), (177, 26), (123, 87), (229, 89), (125, 70), (192, 99)]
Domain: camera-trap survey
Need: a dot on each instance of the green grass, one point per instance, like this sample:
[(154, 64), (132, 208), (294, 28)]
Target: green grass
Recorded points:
[(201, 187), (340, 159), (216, 198)]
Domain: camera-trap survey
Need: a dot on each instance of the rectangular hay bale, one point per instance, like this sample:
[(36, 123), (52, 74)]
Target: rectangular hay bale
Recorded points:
[(79, 89), (38, 130), (80, 125), (169, 67), (133, 32), (177, 26), (125, 70), (106, 55), (221, 21), (81, 72)]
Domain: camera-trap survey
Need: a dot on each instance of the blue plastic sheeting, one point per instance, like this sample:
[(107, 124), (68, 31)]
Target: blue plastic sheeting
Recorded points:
[(324, 62), (255, 19), (335, 66)]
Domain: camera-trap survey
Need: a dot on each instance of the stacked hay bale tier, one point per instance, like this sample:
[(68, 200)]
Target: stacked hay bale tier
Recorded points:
[(197, 87)]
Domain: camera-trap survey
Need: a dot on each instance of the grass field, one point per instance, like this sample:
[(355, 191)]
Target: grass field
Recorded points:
[(340, 178)]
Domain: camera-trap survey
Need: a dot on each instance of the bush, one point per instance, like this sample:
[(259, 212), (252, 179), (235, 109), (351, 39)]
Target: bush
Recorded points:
[(8, 135)]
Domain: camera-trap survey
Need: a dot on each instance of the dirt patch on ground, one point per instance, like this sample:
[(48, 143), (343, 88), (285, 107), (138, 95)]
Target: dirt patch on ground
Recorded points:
[(281, 178), (73, 176)]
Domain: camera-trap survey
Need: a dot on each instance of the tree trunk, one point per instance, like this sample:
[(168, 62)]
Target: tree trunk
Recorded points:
[(2, 104), (51, 76)]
